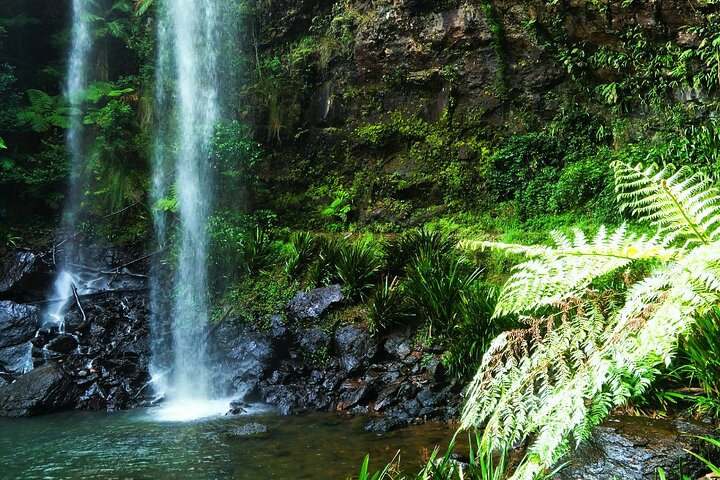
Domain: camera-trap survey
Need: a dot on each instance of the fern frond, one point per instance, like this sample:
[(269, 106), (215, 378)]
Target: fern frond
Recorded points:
[(679, 202), (141, 6), (556, 273), (553, 384)]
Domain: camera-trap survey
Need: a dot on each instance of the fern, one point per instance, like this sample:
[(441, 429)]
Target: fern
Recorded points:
[(557, 273), (553, 381), (680, 203), (44, 112), (141, 6)]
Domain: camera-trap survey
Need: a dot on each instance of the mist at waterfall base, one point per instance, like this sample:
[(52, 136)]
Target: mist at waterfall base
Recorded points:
[(189, 103)]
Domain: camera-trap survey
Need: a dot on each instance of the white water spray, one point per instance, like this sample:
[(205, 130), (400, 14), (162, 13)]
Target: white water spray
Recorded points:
[(188, 89), (76, 82)]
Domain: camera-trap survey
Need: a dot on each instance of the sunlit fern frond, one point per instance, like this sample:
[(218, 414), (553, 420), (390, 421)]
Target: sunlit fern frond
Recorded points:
[(543, 394), (679, 202), (555, 273), (564, 380)]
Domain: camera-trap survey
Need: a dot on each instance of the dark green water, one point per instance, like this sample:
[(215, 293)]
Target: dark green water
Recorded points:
[(134, 445)]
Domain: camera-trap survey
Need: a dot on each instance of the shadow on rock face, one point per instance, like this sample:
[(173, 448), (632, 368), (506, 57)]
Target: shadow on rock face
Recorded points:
[(633, 448)]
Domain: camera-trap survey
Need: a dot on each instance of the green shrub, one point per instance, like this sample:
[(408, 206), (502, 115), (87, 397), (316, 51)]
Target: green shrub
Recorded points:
[(257, 251), (388, 306), (357, 267), (323, 270), (435, 286), (404, 249), (471, 336), (303, 246), (701, 348), (516, 164), (534, 200)]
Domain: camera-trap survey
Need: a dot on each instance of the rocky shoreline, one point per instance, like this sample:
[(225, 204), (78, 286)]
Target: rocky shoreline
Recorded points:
[(101, 362)]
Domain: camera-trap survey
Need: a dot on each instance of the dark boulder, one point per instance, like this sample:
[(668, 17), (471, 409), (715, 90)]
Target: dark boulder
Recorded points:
[(352, 392), (26, 277), (237, 407), (313, 340), (278, 330), (18, 323), (385, 424), (241, 356), (113, 370), (355, 347), (64, 343), (398, 346), (633, 448), (311, 305), (43, 390), (15, 360)]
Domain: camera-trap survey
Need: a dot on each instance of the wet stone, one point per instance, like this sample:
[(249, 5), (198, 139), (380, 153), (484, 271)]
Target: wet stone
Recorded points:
[(64, 343)]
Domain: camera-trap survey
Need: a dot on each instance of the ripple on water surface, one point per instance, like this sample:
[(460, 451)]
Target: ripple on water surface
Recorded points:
[(137, 445)]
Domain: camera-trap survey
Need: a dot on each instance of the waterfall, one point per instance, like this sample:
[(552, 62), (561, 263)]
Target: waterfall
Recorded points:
[(188, 106), (78, 69)]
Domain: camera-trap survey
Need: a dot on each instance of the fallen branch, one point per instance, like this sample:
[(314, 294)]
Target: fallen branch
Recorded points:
[(145, 257), (121, 210), (89, 295), (77, 300), (114, 272), (219, 323)]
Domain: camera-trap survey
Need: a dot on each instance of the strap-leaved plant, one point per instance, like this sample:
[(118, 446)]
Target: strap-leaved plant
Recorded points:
[(582, 353)]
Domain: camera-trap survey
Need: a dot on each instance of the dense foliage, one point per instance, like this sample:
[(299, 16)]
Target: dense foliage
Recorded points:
[(582, 356), (330, 171)]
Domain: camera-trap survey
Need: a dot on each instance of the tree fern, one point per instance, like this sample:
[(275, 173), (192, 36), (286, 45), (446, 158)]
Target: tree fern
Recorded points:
[(552, 382), (680, 203), (557, 273)]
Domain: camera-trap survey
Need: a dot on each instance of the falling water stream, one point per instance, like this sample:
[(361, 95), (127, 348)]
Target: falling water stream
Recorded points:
[(78, 74), (189, 105)]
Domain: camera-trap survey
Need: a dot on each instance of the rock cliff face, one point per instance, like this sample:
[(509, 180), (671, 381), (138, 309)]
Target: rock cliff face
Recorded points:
[(491, 55), (388, 99)]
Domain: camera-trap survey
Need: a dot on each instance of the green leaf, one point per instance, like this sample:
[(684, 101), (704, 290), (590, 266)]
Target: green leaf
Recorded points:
[(141, 6)]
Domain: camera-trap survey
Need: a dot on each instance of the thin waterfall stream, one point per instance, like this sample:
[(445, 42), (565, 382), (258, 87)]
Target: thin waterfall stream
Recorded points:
[(69, 279)]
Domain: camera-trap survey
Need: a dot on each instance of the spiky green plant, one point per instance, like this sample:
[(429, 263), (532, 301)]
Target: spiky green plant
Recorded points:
[(323, 269), (552, 383), (472, 334), (357, 266), (401, 251), (303, 245), (436, 286), (388, 306), (257, 251), (480, 465), (701, 350)]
